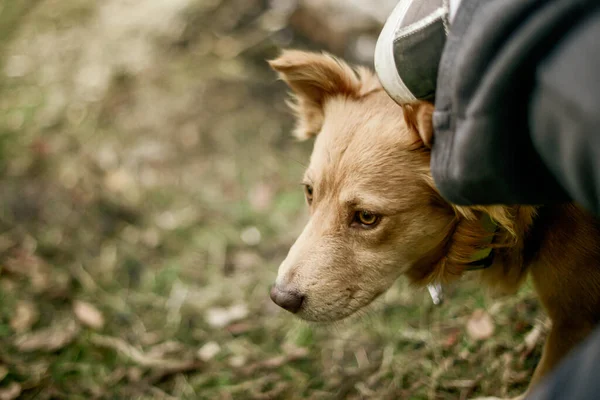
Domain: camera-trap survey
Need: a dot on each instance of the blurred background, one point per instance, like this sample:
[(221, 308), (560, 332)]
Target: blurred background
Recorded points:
[(149, 189)]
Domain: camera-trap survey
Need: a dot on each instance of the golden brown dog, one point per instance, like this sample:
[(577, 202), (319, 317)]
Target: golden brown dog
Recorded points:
[(375, 214)]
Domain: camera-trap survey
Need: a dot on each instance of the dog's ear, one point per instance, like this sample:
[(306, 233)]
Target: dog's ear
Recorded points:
[(313, 78), (418, 118)]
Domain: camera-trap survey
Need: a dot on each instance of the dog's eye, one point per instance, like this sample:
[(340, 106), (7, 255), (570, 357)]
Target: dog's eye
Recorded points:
[(366, 218), (308, 191)]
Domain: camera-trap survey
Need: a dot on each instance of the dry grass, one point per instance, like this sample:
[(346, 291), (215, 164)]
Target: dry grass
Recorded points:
[(148, 193)]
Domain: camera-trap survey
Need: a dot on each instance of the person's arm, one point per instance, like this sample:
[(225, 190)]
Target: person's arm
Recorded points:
[(564, 113), (490, 142), (508, 78), (576, 377)]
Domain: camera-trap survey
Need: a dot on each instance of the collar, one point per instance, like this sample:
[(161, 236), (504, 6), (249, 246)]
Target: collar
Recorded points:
[(481, 263), (482, 259)]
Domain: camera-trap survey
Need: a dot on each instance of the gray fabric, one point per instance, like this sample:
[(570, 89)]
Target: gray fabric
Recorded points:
[(416, 33), (482, 150), (565, 112), (516, 94), (419, 9), (417, 58), (576, 378)]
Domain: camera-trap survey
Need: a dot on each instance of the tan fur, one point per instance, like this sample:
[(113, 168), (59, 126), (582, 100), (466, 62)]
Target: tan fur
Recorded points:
[(372, 155), (314, 79)]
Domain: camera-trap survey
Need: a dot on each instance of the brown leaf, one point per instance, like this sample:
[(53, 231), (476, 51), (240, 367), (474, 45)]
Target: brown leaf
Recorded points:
[(239, 328), (294, 352), (49, 339), (10, 392), (480, 325), (452, 338), (88, 314), (25, 316)]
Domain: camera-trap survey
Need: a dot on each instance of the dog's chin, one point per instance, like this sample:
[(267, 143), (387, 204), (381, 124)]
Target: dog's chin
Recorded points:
[(324, 317), (315, 313)]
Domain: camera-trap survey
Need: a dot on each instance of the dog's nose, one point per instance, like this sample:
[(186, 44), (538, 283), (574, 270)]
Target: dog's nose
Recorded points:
[(289, 300)]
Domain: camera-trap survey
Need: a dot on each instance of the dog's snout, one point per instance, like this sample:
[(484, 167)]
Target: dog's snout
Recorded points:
[(287, 298)]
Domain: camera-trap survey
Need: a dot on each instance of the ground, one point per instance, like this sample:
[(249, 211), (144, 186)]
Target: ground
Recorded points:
[(149, 190)]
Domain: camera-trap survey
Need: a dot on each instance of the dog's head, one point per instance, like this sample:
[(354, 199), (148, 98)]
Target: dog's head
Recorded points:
[(374, 213)]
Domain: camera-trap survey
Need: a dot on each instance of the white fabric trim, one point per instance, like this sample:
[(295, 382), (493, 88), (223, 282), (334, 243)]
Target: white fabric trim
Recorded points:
[(420, 24), (454, 4), (385, 65)]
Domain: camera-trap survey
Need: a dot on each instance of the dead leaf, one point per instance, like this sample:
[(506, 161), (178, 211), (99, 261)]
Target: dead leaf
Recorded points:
[(55, 337), (239, 328), (88, 314), (452, 338), (219, 317), (208, 351), (480, 325), (237, 361), (25, 316), (294, 352), (118, 181), (10, 392), (251, 236), (174, 219)]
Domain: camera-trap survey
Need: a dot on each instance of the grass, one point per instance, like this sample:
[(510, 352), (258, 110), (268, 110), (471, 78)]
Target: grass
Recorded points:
[(141, 195)]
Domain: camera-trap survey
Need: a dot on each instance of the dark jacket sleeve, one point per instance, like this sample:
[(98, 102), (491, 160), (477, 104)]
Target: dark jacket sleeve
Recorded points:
[(564, 113), (576, 378), (507, 104)]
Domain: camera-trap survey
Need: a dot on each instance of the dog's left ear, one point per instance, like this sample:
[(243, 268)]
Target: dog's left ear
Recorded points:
[(314, 77), (418, 118)]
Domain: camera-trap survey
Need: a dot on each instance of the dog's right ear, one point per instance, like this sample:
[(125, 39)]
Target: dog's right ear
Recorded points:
[(419, 119), (313, 78)]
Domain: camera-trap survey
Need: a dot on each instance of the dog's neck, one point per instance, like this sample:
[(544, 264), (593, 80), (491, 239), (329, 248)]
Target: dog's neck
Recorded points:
[(476, 240)]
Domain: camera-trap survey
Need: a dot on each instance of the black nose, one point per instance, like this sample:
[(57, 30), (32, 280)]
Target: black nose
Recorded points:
[(287, 299)]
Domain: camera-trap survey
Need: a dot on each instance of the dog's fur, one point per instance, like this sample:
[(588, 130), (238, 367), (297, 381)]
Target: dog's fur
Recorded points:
[(370, 154)]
